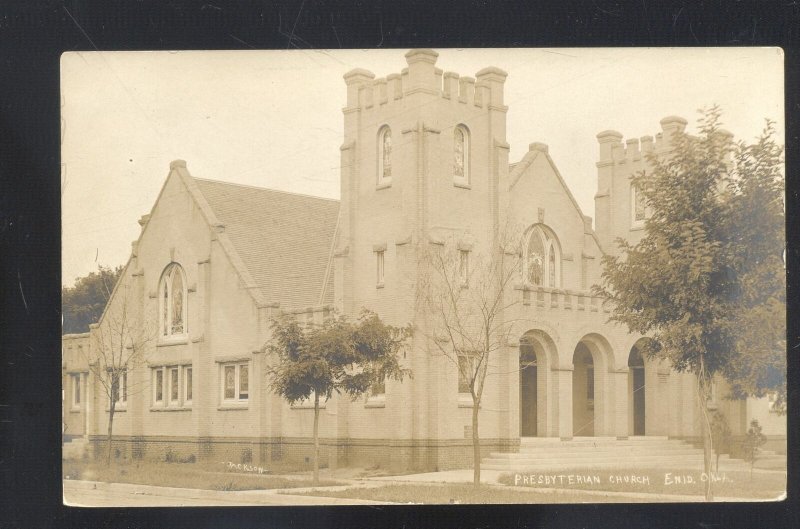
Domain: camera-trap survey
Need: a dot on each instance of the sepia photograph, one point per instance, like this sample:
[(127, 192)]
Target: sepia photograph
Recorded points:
[(425, 276)]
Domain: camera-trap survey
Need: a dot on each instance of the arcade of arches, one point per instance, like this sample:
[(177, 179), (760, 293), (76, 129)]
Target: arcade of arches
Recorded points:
[(590, 396)]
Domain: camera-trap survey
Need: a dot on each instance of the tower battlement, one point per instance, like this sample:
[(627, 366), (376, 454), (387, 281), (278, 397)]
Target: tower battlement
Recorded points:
[(364, 91), (614, 151)]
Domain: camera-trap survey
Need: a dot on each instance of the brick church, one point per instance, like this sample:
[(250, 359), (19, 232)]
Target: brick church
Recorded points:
[(424, 156)]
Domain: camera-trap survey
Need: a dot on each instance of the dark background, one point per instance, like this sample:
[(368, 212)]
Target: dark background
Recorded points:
[(34, 33)]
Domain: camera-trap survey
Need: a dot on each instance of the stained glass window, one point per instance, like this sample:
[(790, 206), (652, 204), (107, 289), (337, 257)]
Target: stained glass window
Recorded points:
[(385, 142), (187, 380), (458, 169), (173, 302), (159, 385), (230, 382), (173, 384), (243, 382), (535, 258), (551, 268)]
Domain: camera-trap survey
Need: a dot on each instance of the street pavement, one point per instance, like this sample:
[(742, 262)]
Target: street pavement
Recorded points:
[(100, 494)]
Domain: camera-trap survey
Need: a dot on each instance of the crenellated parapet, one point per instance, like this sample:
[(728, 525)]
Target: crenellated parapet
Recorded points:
[(614, 151), (485, 90)]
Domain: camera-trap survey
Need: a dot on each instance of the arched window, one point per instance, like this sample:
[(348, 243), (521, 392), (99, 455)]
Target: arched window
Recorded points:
[(172, 301), (385, 155), (542, 259), (461, 155)]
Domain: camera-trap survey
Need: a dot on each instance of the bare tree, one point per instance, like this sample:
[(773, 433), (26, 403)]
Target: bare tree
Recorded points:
[(119, 343), (463, 293)]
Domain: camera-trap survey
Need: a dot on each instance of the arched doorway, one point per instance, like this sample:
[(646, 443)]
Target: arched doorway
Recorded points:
[(636, 387), (583, 392), (533, 382)]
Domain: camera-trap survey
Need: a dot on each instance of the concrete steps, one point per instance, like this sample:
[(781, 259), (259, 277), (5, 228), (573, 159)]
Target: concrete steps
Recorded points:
[(542, 453)]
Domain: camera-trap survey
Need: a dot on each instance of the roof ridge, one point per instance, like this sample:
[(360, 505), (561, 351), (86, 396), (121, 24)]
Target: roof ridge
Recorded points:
[(265, 189)]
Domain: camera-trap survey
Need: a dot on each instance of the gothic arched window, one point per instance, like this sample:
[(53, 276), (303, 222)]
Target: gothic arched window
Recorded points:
[(542, 259), (385, 155), (461, 155), (172, 301)]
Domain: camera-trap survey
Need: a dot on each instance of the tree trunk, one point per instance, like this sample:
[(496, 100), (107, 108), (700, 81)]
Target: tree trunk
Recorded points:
[(703, 390), (476, 445), (110, 430), (316, 439)]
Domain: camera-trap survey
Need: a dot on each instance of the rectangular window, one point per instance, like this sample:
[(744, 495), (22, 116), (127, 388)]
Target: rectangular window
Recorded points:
[(122, 394), (243, 382), (466, 367), (187, 380), (378, 388), (235, 382), (76, 390), (463, 267), (158, 385), (379, 256), (174, 385)]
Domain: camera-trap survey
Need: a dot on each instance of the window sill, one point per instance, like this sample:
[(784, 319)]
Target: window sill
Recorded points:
[(380, 285), (637, 227), (75, 410), (173, 408), (462, 185), (464, 401), (376, 402), (117, 409), (166, 342), (383, 185), (233, 406)]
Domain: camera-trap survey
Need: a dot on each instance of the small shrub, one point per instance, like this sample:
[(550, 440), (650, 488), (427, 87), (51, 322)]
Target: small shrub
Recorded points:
[(170, 456), (188, 459), (247, 456)]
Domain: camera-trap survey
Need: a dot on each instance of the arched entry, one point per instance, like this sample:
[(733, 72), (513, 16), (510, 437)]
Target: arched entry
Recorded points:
[(636, 388), (583, 392), (533, 382)]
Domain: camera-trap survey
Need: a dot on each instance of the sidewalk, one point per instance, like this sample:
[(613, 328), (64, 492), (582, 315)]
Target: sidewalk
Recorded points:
[(102, 494)]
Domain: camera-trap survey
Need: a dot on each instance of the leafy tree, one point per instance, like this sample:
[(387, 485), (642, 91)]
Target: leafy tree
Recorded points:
[(338, 356), (464, 300), (752, 444), (757, 226), (693, 281), (83, 303), (119, 343)]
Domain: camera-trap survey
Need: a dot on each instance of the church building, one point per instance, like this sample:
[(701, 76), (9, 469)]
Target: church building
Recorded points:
[(424, 158)]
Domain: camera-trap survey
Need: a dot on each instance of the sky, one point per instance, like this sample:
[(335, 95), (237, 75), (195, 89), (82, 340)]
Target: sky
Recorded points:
[(273, 118)]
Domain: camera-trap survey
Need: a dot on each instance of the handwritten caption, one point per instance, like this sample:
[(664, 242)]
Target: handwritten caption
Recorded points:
[(244, 467), (669, 478)]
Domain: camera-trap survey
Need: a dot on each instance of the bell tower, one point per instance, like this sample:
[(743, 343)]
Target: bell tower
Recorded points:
[(423, 157)]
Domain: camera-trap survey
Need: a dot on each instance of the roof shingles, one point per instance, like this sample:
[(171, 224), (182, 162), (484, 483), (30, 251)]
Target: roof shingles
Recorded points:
[(284, 239)]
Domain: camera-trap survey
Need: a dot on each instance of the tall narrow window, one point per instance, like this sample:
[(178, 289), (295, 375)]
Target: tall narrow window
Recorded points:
[(461, 155), (463, 267), (466, 366), (230, 382), (385, 156), (76, 390), (174, 388), (639, 206), (158, 385), (173, 302), (535, 259), (122, 390), (379, 267), (187, 381), (551, 266), (244, 382)]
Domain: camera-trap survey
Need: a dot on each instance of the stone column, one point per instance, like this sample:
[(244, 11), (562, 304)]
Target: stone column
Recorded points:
[(563, 376), (620, 408)]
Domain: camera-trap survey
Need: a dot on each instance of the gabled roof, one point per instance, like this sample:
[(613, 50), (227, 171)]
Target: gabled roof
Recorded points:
[(283, 239)]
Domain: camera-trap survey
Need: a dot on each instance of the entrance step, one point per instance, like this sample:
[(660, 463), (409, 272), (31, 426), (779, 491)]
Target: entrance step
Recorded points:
[(548, 453)]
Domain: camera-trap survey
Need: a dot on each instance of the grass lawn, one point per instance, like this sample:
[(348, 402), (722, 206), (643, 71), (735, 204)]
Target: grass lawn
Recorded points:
[(463, 493), (184, 475), (739, 484)]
